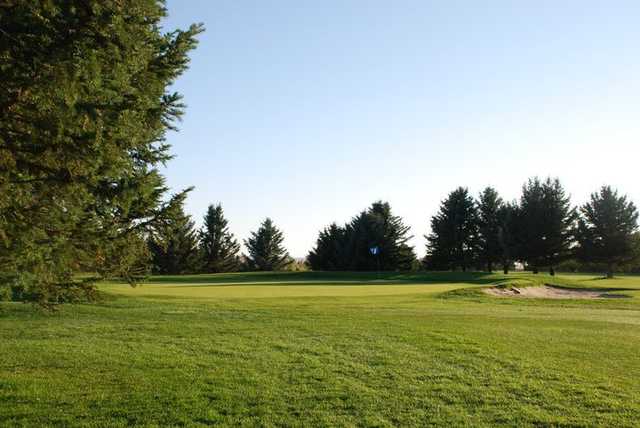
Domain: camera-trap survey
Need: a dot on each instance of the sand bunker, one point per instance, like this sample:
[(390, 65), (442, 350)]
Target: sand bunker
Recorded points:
[(549, 292)]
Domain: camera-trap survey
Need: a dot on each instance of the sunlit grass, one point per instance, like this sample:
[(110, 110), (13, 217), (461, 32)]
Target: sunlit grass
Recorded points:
[(325, 350)]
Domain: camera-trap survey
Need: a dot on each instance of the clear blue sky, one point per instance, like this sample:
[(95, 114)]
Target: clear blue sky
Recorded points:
[(308, 111)]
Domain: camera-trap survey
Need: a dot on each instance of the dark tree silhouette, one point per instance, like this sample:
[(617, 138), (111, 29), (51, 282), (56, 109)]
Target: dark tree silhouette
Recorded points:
[(218, 247), (330, 250), (266, 252), (489, 227), (546, 224), (349, 247), (508, 217), (453, 242), (378, 227), (606, 230), (174, 245)]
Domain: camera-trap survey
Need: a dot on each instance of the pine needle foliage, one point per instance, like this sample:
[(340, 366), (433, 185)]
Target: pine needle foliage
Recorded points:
[(174, 245), (219, 248), (84, 111), (607, 228), (266, 250)]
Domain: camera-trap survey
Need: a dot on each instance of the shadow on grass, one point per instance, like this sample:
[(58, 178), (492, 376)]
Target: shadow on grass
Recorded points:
[(595, 289), (326, 278), (598, 276)]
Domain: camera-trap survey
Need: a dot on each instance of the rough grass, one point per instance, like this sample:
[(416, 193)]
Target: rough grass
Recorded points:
[(325, 349)]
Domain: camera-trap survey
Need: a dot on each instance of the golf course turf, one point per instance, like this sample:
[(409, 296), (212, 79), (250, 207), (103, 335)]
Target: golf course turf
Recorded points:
[(326, 349)]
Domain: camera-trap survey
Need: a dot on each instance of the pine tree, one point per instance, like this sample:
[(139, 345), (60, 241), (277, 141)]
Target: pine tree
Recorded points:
[(508, 217), (359, 239), (84, 110), (219, 248), (560, 220), (174, 245), (349, 247), (378, 227), (531, 231), (547, 221), (329, 252), (489, 226), (606, 230), (453, 241), (266, 252)]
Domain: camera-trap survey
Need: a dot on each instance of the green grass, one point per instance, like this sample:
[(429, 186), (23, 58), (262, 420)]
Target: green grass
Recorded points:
[(325, 349)]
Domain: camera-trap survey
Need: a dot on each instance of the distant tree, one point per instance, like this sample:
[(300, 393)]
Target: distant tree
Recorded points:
[(489, 227), (174, 245), (453, 241), (606, 231), (634, 264), (218, 247), (359, 239), (378, 227), (329, 252), (393, 236), (531, 227), (266, 252), (546, 224), (349, 247), (508, 216), (246, 265), (84, 109)]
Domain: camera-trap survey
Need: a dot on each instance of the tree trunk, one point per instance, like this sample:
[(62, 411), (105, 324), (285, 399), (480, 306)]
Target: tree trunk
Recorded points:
[(490, 266), (505, 268), (534, 269), (610, 270), (552, 271)]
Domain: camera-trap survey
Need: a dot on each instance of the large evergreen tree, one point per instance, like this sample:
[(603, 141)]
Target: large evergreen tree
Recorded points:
[(531, 228), (330, 250), (546, 224), (378, 227), (84, 109), (266, 252), (349, 247), (489, 227), (453, 241), (173, 244), (219, 248), (606, 230)]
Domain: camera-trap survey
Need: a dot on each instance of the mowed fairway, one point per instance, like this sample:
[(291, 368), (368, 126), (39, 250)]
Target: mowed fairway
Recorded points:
[(314, 349)]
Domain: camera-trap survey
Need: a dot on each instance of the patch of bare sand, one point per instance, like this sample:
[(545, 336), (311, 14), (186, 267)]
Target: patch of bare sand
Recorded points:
[(549, 292)]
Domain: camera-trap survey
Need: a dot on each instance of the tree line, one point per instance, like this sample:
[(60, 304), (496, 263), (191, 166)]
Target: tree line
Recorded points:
[(85, 108), (540, 230), (176, 247)]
